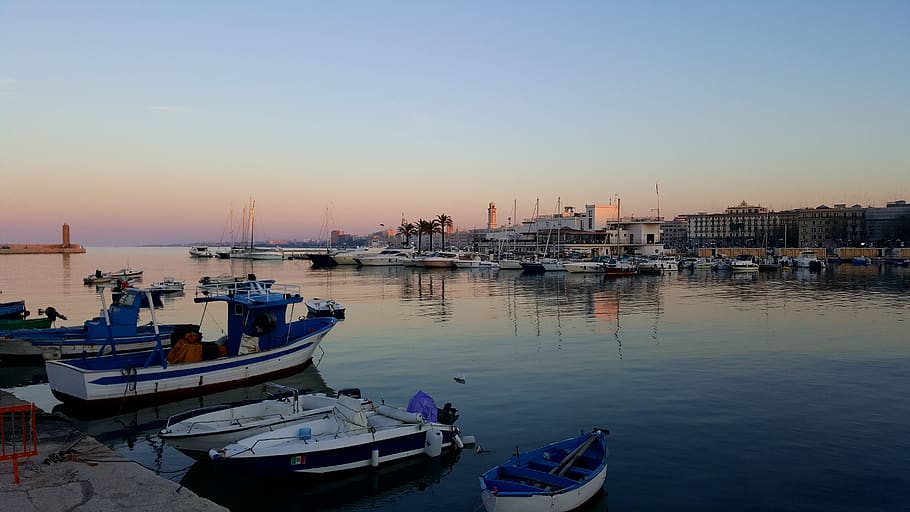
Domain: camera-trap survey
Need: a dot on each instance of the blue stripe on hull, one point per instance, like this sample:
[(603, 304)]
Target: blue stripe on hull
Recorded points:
[(323, 461), (79, 408)]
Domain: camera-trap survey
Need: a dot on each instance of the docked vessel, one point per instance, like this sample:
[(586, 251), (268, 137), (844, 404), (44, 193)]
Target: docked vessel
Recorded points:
[(261, 344)]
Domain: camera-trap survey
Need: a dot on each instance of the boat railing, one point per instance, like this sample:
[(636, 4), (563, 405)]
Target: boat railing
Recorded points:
[(263, 290)]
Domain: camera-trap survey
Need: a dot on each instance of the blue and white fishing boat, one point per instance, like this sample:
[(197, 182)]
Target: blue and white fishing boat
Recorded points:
[(261, 344), (558, 477), (115, 329), (356, 433)]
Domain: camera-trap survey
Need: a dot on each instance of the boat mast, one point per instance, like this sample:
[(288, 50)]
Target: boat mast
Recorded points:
[(252, 207)]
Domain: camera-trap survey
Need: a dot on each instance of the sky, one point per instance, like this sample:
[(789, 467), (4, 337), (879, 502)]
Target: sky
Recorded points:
[(158, 122)]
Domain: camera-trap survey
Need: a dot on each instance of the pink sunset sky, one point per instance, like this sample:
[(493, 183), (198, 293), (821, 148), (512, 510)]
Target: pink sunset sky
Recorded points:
[(143, 124)]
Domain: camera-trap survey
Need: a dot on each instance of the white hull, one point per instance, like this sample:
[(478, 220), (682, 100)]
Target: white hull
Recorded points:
[(584, 267), (218, 428), (558, 502), (510, 265), (467, 263), (113, 384)]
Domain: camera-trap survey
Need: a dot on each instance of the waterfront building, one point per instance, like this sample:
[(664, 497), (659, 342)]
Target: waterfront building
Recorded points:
[(831, 227), (675, 233), (743, 225), (889, 225), (598, 230)]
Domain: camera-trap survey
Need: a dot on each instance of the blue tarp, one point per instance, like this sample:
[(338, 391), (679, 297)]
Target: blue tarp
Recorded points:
[(424, 404)]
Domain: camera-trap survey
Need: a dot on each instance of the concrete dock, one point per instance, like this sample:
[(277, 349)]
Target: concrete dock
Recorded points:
[(74, 472)]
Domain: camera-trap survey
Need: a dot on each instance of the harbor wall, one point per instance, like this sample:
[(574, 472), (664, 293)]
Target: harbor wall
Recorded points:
[(65, 247)]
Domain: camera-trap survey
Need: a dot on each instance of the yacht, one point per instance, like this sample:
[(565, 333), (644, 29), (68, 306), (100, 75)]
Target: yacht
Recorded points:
[(437, 259), (387, 258)]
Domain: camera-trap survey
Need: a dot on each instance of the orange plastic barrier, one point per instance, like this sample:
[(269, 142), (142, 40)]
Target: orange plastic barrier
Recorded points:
[(18, 434)]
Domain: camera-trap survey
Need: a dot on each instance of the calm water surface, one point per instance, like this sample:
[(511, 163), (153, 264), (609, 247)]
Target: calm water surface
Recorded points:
[(765, 392)]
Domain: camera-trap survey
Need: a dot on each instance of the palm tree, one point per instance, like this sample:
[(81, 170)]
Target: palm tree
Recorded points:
[(445, 222), (428, 227), (407, 230), (424, 227)]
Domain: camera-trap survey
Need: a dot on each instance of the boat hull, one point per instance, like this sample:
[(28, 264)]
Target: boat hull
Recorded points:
[(535, 481), (116, 382), (343, 454)]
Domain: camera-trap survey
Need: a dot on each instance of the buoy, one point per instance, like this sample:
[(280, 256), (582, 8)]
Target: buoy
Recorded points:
[(374, 457), (459, 378)]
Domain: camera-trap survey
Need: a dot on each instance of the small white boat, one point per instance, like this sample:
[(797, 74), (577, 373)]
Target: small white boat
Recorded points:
[(743, 263), (510, 264), (356, 433), (124, 274), (556, 478), (201, 251), (267, 253), (584, 267), (201, 430), (324, 307), (168, 285)]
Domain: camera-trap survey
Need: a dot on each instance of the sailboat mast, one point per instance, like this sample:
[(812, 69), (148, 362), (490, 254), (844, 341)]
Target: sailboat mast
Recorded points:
[(252, 207)]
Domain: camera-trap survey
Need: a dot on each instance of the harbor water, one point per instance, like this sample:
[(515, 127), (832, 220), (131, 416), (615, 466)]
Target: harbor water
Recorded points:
[(768, 391)]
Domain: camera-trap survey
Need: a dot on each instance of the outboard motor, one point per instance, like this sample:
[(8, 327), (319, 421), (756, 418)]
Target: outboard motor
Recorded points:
[(53, 314), (447, 415)]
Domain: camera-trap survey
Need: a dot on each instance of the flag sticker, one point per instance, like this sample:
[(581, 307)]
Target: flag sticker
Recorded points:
[(296, 460)]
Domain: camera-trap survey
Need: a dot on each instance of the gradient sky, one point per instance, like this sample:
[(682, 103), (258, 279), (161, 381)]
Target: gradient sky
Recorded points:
[(148, 122)]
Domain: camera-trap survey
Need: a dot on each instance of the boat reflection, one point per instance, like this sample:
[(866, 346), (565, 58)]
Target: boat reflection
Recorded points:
[(365, 487)]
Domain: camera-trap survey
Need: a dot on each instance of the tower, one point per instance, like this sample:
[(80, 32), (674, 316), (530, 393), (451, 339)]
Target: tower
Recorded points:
[(491, 216), (66, 235)]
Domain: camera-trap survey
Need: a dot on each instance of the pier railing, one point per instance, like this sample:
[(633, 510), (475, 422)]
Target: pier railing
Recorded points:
[(18, 434)]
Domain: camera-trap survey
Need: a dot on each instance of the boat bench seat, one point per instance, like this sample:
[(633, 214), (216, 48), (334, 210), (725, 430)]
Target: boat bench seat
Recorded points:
[(543, 477), (547, 465), (505, 486)]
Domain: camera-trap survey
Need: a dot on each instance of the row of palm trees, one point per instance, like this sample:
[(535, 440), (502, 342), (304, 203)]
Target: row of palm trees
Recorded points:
[(440, 224)]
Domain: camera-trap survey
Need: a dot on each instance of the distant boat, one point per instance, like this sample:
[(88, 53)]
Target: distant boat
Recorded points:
[(115, 330), (201, 251), (324, 307), (810, 260), (14, 316), (124, 274), (556, 478)]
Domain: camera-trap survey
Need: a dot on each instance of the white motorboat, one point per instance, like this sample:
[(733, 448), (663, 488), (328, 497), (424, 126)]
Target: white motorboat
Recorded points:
[(584, 267), (438, 259), (201, 430), (350, 256), (324, 307), (201, 251), (386, 258), (266, 253), (356, 433), (743, 263), (168, 285), (810, 260)]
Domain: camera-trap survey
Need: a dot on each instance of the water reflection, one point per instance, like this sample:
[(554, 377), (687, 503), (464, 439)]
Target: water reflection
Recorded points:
[(365, 488)]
